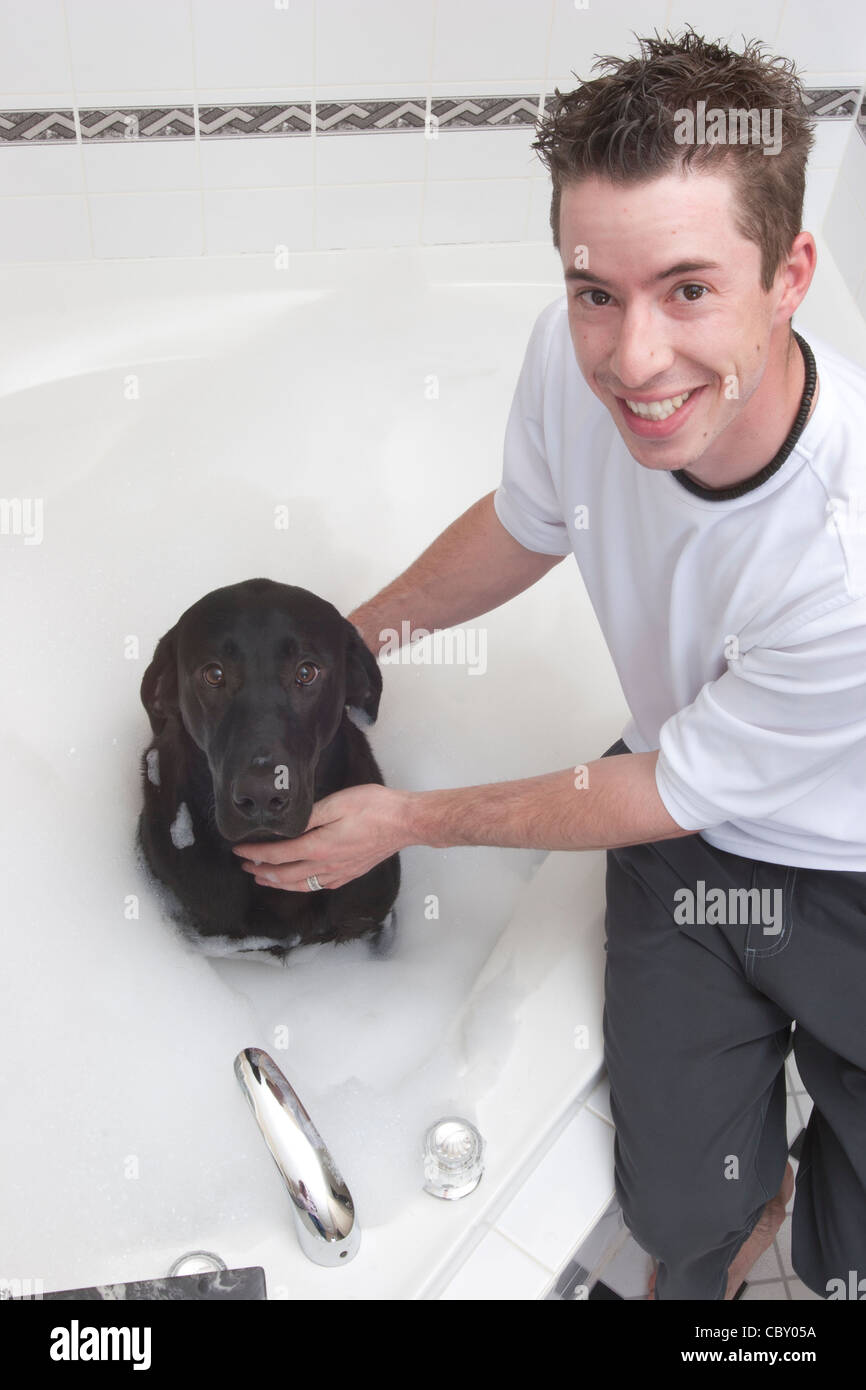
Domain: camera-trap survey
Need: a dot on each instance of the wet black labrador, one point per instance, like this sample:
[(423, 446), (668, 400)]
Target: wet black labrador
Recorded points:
[(247, 697)]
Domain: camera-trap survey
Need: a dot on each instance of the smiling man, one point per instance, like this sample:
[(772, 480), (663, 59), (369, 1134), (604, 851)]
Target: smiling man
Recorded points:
[(702, 462)]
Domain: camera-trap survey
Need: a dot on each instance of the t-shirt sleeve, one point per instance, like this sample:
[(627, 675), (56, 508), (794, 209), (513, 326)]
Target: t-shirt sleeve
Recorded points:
[(775, 726), (526, 501)]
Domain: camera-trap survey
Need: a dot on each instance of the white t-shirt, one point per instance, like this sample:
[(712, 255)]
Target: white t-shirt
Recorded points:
[(737, 627)]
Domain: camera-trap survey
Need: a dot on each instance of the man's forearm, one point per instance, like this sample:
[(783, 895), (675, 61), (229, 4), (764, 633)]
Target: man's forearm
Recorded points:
[(618, 805), (474, 566)]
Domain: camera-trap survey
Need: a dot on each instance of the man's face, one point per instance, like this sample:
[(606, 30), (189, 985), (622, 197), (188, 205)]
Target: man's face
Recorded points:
[(703, 331)]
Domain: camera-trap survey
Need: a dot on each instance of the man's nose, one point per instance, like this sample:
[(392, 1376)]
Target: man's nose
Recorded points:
[(641, 353)]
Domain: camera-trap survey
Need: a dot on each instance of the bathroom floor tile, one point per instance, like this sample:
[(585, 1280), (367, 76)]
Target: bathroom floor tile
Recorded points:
[(628, 1272), (793, 1119), (603, 1292), (795, 1081), (767, 1266), (765, 1293), (801, 1293)]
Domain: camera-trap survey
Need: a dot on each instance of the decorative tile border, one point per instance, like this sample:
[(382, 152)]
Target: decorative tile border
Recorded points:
[(252, 120), (137, 123), (36, 127)]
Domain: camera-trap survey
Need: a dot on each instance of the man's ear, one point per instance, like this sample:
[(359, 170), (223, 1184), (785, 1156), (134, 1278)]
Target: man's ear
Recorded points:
[(363, 678), (159, 684)]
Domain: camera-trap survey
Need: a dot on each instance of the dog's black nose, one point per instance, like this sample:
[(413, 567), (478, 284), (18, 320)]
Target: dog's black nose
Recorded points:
[(254, 792)]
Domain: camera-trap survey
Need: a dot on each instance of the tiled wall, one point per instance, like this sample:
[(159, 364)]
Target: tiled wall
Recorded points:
[(220, 127)]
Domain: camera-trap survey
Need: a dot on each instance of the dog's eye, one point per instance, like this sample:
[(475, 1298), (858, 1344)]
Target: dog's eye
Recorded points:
[(306, 673), (213, 674)]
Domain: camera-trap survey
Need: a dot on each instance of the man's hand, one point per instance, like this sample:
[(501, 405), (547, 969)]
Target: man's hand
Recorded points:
[(348, 833)]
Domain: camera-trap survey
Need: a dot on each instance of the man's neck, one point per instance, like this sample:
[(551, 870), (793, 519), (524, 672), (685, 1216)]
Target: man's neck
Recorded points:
[(793, 396)]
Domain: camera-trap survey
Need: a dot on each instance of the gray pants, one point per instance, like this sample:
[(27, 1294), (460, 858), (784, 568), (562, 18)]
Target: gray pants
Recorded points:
[(697, 1025)]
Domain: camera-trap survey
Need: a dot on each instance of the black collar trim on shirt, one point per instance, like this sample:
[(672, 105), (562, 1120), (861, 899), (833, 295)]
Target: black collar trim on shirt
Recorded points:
[(724, 494)]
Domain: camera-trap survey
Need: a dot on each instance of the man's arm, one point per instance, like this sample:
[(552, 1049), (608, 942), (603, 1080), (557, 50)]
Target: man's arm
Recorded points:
[(471, 568), (619, 805), (352, 830)]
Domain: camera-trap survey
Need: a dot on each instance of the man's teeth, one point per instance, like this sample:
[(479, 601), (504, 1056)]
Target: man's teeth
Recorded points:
[(658, 410)]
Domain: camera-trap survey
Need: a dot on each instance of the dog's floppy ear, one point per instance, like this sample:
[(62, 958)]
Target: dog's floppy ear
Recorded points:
[(363, 678), (159, 684)]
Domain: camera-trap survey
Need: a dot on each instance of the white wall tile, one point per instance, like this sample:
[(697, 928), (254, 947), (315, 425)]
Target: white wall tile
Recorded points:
[(538, 226), (257, 163), (726, 22), (131, 47), (240, 44), (137, 166), (599, 1100), (146, 224), (578, 35), (475, 210), (371, 158), (860, 298), (497, 1270), (814, 44), (34, 55), (258, 220), (482, 154), (605, 1234), (819, 190), (44, 229), (121, 98), (383, 214), (488, 86), (566, 1194), (259, 94), (831, 141), (11, 100), (844, 230), (45, 169), (852, 167), (381, 41), (503, 37)]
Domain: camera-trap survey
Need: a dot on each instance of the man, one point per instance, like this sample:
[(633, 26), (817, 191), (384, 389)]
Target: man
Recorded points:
[(709, 529)]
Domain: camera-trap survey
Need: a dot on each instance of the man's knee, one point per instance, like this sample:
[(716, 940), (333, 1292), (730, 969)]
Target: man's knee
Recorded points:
[(678, 1220)]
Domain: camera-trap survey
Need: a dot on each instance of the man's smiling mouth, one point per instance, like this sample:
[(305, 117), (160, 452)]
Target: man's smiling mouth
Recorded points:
[(659, 409)]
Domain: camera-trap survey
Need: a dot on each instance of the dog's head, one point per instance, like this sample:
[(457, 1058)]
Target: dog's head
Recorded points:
[(259, 674)]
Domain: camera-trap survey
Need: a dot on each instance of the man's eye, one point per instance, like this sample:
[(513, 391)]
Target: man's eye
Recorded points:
[(213, 675), (306, 673), (591, 303)]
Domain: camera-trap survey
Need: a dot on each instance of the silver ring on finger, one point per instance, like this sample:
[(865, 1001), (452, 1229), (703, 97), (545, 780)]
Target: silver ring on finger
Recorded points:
[(313, 883)]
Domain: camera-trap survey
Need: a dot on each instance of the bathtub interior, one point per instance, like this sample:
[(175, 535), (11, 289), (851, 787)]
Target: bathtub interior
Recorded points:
[(163, 412)]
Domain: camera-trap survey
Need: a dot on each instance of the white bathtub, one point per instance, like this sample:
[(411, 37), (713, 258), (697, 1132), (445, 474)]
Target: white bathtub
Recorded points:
[(161, 411)]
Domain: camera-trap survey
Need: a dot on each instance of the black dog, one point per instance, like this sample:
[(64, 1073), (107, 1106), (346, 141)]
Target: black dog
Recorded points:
[(247, 698)]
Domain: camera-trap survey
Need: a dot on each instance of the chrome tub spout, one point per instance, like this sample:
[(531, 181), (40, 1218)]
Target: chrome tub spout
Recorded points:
[(324, 1212)]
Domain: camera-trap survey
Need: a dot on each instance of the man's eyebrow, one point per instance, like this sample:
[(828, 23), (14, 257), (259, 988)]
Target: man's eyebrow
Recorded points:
[(681, 268)]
